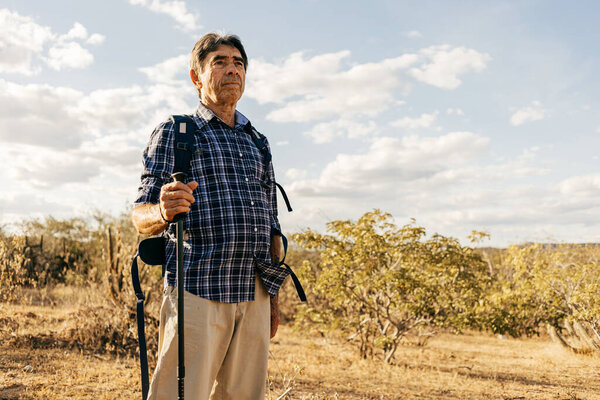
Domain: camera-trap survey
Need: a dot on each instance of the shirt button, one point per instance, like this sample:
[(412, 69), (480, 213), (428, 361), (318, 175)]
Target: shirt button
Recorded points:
[(255, 229), (241, 155), (246, 179), (251, 203)]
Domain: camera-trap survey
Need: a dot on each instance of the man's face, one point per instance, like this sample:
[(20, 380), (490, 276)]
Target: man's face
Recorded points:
[(223, 76)]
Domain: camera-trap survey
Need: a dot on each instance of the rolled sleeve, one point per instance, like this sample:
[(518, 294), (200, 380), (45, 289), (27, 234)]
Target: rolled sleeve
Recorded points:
[(158, 163)]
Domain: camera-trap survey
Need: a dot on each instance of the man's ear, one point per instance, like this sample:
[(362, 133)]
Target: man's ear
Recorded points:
[(195, 78)]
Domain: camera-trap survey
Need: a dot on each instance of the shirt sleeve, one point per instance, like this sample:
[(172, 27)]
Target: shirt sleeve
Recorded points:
[(275, 226), (158, 163)]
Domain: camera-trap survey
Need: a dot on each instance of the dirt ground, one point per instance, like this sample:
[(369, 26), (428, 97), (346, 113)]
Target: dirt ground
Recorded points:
[(35, 365)]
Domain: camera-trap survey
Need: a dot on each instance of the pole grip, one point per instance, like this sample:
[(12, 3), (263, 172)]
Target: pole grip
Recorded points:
[(179, 177)]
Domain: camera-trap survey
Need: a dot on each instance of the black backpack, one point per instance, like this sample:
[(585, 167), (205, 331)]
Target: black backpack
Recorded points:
[(152, 250)]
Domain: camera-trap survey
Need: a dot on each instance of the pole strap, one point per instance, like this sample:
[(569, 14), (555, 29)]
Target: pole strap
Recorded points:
[(139, 313)]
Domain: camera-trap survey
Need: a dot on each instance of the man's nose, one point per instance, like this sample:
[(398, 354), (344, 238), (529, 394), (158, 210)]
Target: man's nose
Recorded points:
[(230, 69)]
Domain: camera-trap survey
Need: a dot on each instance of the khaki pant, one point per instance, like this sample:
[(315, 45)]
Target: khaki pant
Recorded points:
[(226, 348)]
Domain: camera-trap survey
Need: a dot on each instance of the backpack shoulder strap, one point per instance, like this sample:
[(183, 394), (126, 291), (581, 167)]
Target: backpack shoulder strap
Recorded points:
[(184, 144), (260, 142)]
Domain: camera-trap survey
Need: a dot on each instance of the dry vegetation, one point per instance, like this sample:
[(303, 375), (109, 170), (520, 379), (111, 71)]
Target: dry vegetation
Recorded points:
[(386, 308), (39, 334)]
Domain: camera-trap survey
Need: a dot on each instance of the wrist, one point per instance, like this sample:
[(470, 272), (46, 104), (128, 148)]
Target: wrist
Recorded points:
[(162, 217)]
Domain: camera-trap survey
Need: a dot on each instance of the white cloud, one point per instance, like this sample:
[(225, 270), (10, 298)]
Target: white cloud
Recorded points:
[(444, 64), (534, 112), (394, 174), (78, 31), (29, 114), (424, 121), (27, 204), (20, 39), (326, 131), (175, 9), (457, 111), (22, 42), (39, 115), (168, 71), (319, 87), (69, 55), (586, 185), (66, 166), (413, 34), (390, 162), (96, 39), (124, 109), (295, 174), (449, 186)]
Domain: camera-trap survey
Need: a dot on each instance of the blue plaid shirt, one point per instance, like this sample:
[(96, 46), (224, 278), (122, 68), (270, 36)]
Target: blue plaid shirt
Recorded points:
[(229, 227)]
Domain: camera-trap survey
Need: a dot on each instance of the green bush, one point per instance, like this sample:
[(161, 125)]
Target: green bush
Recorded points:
[(377, 283)]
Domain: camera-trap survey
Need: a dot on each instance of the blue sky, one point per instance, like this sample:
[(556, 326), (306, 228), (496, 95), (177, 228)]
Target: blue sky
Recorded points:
[(461, 114)]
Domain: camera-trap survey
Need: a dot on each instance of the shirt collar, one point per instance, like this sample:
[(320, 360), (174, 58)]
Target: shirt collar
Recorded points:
[(204, 115)]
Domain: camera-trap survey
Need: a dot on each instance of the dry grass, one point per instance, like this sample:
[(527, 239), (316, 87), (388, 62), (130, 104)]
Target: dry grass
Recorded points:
[(470, 366), (303, 366)]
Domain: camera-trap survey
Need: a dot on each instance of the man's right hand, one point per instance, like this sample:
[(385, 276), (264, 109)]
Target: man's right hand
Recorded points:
[(176, 198)]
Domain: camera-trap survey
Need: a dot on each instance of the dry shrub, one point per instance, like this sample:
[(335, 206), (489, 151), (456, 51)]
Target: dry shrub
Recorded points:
[(94, 328), (102, 329), (580, 337), (13, 267)]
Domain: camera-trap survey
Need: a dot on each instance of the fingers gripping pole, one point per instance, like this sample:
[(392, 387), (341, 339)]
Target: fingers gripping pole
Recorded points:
[(180, 177)]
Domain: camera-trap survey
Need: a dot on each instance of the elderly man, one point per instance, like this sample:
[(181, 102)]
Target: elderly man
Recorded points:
[(233, 237)]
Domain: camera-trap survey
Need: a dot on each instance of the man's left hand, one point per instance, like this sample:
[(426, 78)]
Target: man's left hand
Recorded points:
[(276, 249), (276, 256), (275, 318)]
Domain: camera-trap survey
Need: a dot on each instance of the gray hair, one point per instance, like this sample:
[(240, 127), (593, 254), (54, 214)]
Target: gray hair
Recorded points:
[(211, 42)]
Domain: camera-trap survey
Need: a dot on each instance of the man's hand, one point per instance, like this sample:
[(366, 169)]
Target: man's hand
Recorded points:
[(277, 251), (175, 198), (275, 318)]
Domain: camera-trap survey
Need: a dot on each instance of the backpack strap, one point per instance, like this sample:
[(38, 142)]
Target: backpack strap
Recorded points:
[(297, 284), (152, 252), (260, 142), (139, 316), (184, 145)]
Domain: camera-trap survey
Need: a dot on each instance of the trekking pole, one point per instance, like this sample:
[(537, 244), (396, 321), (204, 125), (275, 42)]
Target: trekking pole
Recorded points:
[(179, 177)]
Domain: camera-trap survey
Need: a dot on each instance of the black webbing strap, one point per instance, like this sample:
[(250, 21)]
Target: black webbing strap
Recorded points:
[(152, 252), (259, 142), (285, 198), (184, 143), (139, 312), (297, 284)]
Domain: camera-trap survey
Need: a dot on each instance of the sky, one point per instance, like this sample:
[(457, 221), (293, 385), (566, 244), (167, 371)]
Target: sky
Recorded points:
[(464, 115)]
